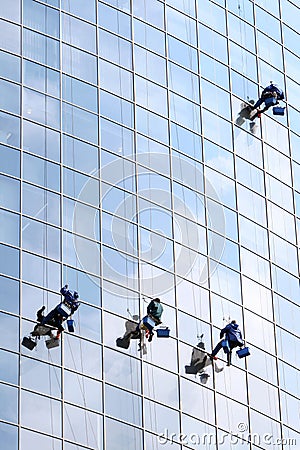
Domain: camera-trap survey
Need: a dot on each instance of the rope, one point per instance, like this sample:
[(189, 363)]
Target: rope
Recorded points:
[(59, 383), (51, 408), (83, 386), (82, 392)]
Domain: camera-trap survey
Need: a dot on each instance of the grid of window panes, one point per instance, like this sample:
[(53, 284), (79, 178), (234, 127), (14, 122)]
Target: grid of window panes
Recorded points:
[(124, 175)]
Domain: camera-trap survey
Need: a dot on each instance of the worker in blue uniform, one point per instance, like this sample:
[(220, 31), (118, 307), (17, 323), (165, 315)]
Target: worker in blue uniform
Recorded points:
[(233, 339), (61, 312), (270, 91)]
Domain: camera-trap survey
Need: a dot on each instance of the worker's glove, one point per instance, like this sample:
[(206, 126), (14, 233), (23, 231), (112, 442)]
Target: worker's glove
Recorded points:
[(66, 286)]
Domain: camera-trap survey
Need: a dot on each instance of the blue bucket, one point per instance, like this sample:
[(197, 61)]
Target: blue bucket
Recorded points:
[(278, 111), (163, 332), (243, 352), (70, 324)]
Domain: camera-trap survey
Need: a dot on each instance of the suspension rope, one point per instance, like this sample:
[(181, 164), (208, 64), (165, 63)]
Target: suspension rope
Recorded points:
[(59, 383), (51, 407), (82, 390)]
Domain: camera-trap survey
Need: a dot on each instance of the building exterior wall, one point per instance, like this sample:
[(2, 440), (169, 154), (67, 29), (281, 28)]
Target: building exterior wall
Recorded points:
[(124, 174)]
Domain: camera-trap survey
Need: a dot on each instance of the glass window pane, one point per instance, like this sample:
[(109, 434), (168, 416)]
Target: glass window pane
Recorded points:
[(41, 204), (10, 66), (41, 18), (212, 15), (9, 193), (181, 26), (115, 49), (40, 377), (190, 390), (41, 141), (79, 155), (243, 61), (9, 400), (225, 282), (40, 271), (76, 7), (215, 71), (11, 10), (78, 33), (114, 20), (33, 298), (82, 391), (267, 23), (212, 43), (10, 339), (9, 129), (279, 193), (270, 51), (215, 99), (9, 231), (241, 32), (49, 418), (186, 141), (40, 238), (9, 295), (116, 80), (80, 123), (220, 188), (217, 129), (152, 125), (117, 432), (83, 356), (116, 364), (149, 37), (259, 332), (9, 367), (251, 205), (9, 161), (183, 54), (9, 261), (41, 78), (218, 158), (149, 11), (264, 390), (165, 419), (9, 436), (151, 96), (40, 48), (250, 176), (116, 138), (79, 63), (123, 405), (41, 108), (41, 172), (185, 112), (10, 37), (184, 82), (31, 439), (153, 155), (150, 65), (9, 97)]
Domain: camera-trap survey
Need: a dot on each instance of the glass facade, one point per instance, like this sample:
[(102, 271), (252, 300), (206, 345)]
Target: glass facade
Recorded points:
[(124, 174)]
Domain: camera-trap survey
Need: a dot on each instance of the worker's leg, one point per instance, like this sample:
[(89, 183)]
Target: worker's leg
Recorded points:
[(258, 103), (216, 349)]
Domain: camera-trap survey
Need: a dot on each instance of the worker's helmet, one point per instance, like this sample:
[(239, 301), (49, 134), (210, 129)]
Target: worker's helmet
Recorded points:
[(76, 295)]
